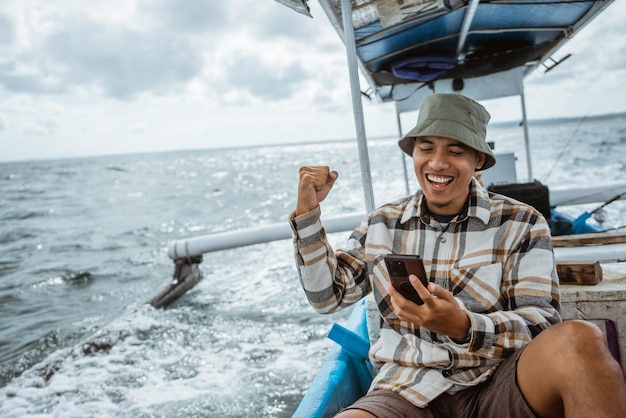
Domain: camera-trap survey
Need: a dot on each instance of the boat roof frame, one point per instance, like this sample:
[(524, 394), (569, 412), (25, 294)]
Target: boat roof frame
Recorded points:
[(515, 84)]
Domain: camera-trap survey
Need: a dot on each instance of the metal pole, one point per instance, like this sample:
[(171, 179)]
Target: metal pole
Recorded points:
[(357, 104), (406, 174), (467, 22), (525, 125)]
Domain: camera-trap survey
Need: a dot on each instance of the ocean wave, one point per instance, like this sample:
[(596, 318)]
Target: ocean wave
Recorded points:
[(18, 214)]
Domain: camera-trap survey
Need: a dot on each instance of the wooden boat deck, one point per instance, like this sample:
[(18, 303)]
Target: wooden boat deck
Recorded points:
[(603, 304)]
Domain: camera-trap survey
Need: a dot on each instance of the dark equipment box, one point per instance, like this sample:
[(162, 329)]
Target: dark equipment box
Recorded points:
[(534, 194)]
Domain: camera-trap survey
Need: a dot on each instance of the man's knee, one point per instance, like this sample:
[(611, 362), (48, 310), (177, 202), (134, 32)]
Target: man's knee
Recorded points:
[(577, 338)]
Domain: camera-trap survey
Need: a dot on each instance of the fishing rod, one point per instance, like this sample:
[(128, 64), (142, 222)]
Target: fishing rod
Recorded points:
[(566, 146), (581, 219), (616, 228)]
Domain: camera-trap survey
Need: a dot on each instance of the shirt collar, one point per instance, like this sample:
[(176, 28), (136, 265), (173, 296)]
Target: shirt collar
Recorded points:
[(478, 206)]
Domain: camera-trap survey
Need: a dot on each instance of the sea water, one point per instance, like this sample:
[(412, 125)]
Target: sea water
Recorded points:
[(83, 246)]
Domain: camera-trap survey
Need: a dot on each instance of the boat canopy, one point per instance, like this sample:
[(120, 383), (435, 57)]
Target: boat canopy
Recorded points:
[(404, 45)]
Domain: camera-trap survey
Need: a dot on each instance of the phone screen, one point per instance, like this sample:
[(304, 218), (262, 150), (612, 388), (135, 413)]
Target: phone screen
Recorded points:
[(399, 267)]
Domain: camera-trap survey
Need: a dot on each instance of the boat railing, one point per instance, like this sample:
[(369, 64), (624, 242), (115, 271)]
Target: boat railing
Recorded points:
[(196, 246)]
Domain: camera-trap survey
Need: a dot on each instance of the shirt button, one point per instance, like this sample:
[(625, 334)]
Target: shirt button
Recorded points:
[(443, 240)]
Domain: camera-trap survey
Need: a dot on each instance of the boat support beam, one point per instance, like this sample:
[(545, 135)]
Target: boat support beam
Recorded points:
[(402, 155), (357, 105), (525, 127), (467, 23)]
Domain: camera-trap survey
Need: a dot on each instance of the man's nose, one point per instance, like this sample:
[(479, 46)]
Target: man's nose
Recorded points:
[(438, 161)]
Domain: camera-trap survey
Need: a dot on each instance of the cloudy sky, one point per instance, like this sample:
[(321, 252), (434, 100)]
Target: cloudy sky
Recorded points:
[(87, 78)]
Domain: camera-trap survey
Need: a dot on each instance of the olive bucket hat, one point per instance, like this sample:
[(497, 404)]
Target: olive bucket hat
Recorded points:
[(452, 116)]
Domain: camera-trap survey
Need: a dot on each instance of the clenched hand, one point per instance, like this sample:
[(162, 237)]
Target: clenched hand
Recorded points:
[(315, 184)]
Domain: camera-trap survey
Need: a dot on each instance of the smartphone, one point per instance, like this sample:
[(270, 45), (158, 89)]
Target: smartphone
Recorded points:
[(400, 266)]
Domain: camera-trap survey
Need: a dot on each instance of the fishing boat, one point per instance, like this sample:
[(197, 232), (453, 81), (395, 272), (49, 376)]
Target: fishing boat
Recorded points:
[(409, 49)]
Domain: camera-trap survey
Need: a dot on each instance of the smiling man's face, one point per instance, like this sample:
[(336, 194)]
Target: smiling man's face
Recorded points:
[(444, 169)]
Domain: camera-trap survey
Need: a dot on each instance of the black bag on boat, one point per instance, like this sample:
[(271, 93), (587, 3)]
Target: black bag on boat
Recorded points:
[(534, 194)]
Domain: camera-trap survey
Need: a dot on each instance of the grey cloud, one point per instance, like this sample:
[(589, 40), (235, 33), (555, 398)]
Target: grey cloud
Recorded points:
[(615, 59), (123, 62), (138, 129), (13, 80), (7, 30), (120, 61), (265, 19), (188, 15), (43, 127), (268, 82), (323, 100), (163, 52)]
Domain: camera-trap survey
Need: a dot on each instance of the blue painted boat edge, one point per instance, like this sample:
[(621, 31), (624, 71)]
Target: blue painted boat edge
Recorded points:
[(564, 224), (338, 383)]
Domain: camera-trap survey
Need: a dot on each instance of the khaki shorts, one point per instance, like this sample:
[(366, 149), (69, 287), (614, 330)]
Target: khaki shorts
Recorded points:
[(498, 397)]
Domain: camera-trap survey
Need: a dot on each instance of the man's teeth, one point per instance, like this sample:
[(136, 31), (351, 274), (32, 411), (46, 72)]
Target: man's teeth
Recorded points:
[(437, 179)]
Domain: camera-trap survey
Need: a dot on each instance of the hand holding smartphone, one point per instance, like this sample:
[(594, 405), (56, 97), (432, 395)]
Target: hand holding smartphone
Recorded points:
[(400, 266)]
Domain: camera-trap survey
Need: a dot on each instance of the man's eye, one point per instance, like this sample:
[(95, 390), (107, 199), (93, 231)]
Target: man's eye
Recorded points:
[(426, 149), (456, 151)]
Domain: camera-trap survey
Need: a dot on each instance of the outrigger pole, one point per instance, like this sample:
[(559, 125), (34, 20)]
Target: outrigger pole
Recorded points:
[(187, 274)]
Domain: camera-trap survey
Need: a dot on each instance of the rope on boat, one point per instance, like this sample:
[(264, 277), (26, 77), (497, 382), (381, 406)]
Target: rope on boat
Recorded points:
[(615, 228)]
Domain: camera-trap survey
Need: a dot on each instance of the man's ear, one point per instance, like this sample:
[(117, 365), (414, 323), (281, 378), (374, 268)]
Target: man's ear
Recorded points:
[(480, 160)]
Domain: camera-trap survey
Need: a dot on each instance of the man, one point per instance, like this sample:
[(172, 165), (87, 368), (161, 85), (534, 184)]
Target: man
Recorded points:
[(488, 340)]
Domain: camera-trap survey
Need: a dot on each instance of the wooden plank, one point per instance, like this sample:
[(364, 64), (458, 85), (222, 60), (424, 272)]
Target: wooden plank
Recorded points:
[(597, 238), (579, 273)]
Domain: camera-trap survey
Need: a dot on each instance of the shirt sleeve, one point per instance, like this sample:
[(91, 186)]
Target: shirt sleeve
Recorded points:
[(331, 280)]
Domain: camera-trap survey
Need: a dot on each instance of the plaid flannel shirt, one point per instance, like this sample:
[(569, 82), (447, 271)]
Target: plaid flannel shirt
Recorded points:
[(496, 258)]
